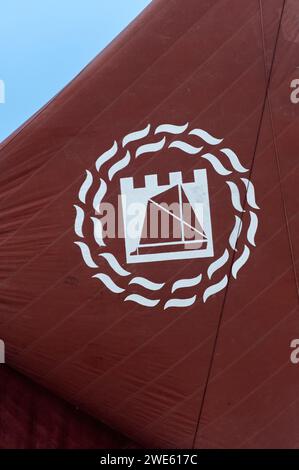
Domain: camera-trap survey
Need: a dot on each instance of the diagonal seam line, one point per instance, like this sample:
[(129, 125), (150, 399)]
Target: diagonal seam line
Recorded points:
[(234, 254), (277, 159), (285, 214), (292, 254)]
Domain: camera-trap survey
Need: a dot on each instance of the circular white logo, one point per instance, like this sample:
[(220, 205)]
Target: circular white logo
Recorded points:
[(142, 213)]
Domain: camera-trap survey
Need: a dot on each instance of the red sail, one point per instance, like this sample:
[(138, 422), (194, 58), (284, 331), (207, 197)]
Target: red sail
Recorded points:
[(217, 372)]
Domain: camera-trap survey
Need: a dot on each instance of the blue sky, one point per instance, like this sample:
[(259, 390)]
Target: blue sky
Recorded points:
[(45, 43)]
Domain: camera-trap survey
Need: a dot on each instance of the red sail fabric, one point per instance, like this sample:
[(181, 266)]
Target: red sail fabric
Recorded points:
[(31, 417), (216, 372)]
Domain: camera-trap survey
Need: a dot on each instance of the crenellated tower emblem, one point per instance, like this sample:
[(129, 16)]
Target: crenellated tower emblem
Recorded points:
[(196, 252)]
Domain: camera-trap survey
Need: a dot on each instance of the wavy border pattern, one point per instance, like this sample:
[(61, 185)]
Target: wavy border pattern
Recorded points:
[(225, 163)]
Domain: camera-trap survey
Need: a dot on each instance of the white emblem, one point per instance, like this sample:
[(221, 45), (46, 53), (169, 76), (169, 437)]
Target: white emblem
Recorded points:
[(192, 241), (191, 238)]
